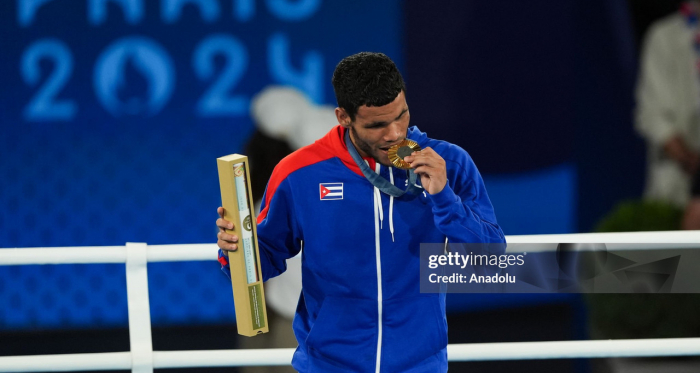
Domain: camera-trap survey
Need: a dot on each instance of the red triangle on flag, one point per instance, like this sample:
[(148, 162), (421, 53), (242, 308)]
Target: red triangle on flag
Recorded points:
[(324, 191)]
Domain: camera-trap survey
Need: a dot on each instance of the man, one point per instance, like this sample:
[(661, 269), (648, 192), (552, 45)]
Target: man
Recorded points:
[(667, 105), (361, 222)]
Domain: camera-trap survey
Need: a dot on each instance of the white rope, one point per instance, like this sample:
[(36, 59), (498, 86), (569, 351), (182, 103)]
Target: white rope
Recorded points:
[(178, 253), (105, 254), (612, 241), (223, 358), (63, 255), (66, 363), (664, 237), (574, 349), (199, 252), (283, 356)]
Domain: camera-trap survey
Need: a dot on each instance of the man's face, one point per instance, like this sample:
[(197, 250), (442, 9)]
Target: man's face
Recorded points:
[(377, 128)]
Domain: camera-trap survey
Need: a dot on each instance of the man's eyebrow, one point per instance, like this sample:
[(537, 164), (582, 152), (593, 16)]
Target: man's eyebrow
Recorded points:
[(380, 124), (402, 113)]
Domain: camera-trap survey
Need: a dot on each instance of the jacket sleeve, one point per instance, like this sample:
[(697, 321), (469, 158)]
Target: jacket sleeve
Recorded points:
[(656, 90), (278, 234), (462, 210)]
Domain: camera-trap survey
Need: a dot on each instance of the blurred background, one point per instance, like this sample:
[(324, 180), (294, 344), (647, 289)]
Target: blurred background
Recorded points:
[(112, 113)]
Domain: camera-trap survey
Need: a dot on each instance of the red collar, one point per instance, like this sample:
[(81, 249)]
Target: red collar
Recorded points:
[(334, 142)]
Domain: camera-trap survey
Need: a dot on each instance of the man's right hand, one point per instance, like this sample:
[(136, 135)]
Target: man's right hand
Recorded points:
[(677, 150), (227, 242)]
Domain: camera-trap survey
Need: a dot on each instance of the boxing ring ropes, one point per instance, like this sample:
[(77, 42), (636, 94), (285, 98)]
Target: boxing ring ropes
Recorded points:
[(142, 358)]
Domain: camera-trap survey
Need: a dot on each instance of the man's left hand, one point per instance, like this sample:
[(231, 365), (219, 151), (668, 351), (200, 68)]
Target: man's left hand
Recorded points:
[(430, 166)]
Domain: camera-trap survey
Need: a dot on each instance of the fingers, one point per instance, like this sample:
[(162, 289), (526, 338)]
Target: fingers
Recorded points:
[(223, 245), (423, 157), (223, 224), (418, 154), (227, 241), (422, 170), (431, 168), (417, 162), (226, 237)]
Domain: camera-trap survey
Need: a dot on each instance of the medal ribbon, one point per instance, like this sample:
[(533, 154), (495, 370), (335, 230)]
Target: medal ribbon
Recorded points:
[(377, 180)]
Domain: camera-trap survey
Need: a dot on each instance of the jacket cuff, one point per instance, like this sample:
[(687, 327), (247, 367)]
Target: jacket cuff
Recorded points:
[(225, 267), (445, 198)]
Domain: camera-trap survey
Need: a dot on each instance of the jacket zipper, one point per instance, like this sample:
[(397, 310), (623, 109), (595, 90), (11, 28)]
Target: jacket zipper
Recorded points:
[(379, 271)]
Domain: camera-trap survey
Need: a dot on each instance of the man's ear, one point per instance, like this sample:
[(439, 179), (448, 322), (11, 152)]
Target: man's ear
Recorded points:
[(343, 117)]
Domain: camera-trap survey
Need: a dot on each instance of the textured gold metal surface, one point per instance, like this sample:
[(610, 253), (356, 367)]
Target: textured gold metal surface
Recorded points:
[(400, 150)]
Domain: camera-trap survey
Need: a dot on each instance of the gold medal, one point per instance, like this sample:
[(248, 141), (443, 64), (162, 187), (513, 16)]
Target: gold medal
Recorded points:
[(401, 150)]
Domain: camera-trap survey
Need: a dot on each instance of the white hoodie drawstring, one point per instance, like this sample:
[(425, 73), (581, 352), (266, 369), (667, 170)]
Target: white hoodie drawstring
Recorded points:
[(378, 198), (391, 206), (378, 201)]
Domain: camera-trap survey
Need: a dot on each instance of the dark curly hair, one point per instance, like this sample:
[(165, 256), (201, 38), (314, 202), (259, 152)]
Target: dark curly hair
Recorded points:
[(366, 78)]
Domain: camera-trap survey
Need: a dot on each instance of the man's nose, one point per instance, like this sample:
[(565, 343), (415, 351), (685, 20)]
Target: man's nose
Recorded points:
[(393, 132)]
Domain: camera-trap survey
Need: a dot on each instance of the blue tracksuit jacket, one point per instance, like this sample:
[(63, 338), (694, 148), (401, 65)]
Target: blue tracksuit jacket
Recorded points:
[(361, 309)]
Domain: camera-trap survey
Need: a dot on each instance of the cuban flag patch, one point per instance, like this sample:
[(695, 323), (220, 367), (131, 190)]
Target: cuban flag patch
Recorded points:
[(331, 191)]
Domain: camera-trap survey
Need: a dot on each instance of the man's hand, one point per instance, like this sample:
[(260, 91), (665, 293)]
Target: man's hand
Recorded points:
[(430, 166), (227, 242), (677, 150)]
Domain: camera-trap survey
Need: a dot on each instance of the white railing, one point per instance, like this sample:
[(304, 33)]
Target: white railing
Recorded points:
[(142, 358)]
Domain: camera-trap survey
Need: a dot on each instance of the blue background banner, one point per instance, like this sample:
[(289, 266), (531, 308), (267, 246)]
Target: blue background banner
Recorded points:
[(112, 116), (112, 113)]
